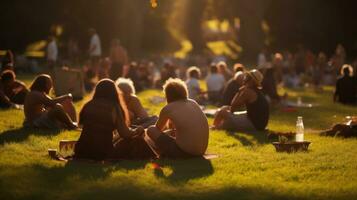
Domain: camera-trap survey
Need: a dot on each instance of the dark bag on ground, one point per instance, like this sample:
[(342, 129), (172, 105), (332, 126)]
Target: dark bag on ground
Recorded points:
[(341, 130)]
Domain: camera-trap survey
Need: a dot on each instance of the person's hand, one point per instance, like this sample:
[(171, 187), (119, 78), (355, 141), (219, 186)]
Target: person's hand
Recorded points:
[(17, 90)]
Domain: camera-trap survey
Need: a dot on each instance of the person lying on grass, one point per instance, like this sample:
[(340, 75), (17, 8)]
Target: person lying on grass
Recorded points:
[(137, 113), (12, 91), (103, 116), (182, 128), (42, 111), (257, 115)]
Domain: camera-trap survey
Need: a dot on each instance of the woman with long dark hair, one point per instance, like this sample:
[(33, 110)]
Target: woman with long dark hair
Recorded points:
[(101, 118)]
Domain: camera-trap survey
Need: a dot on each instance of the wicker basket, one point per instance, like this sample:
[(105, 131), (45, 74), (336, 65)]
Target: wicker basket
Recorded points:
[(291, 147)]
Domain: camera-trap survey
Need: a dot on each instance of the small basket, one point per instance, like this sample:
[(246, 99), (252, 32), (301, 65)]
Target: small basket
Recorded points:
[(291, 147)]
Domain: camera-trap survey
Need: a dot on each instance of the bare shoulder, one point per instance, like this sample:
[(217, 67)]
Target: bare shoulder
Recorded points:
[(134, 99), (173, 106), (193, 102), (20, 83), (166, 109)]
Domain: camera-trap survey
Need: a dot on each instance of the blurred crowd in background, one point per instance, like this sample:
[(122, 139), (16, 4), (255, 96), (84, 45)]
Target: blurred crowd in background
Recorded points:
[(292, 69)]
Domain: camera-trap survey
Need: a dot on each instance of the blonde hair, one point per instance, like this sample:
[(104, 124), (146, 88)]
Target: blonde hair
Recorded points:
[(126, 86), (278, 56), (192, 70), (238, 74), (175, 89), (222, 66)]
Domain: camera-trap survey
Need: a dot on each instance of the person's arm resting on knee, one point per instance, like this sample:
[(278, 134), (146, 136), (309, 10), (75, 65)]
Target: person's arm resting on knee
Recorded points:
[(161, 123), (241, 99), (122, 128)]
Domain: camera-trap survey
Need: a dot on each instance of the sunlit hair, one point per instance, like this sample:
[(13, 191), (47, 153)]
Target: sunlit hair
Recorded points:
[(238, 67), (347, 70), (126, 85), (193, 72), (7, 75), (278, 56), (222, 66), (40, 84), (108, 91), (238, 75), (175, 89)]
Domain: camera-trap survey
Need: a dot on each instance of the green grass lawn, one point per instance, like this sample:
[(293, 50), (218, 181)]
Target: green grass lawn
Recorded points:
[(248, 166)]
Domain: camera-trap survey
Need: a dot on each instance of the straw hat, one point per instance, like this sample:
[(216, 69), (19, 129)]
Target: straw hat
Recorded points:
[(256, 76)]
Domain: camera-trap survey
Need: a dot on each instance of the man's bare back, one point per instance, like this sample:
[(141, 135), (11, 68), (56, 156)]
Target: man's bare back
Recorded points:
[(191, 125)]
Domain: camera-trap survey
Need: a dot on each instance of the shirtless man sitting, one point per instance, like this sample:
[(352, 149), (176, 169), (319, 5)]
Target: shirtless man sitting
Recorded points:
[(249, 96), (182, 128), (42, 111)]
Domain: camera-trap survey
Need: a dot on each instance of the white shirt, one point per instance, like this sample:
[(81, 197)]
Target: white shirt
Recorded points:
[(215, 82), (52, 51), (95, 46), (262, 60), (193, 87)]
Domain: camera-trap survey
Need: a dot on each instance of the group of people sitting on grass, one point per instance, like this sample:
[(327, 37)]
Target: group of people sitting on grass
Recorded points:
[(114, 123)]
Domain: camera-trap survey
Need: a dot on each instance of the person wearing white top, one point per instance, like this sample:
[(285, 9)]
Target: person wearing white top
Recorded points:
[(215, 84), (193, 86), (95, 50), (51, 52)]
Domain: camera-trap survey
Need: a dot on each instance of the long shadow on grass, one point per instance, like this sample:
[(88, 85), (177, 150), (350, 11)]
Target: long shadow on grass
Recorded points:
[(258, 137), (185, 170), (77, 181), (21, 134)]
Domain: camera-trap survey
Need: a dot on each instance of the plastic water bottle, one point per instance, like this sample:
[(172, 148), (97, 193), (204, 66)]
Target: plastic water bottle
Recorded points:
[(299, 137)]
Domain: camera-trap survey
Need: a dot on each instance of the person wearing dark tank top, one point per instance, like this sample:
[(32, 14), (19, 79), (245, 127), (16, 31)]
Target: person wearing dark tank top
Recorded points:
[(255, 117), (258, 111)]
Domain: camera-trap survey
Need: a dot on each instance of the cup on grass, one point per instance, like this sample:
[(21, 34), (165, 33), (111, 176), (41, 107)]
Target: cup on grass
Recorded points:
[(66, 147), (52, 153)]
